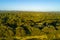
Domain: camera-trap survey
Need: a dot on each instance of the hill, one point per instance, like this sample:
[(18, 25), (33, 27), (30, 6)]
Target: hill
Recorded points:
[(23, 25)]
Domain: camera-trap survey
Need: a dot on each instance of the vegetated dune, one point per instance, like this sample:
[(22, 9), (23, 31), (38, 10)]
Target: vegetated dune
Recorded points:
[(29, 24)]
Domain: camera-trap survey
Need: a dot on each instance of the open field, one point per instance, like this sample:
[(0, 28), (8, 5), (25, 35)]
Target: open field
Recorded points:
[(19, 25)]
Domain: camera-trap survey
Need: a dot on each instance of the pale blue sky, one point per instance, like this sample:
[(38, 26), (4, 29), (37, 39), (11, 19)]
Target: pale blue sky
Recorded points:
[(30, 5)]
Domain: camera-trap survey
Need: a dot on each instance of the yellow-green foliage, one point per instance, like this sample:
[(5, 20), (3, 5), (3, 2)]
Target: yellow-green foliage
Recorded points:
[(21, 24)]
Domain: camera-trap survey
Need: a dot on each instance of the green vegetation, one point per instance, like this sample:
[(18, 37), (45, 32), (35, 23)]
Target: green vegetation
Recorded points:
[(16, 25)]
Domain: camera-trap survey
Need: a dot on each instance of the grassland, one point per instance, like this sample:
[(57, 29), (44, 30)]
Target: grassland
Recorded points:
[(20, 25)]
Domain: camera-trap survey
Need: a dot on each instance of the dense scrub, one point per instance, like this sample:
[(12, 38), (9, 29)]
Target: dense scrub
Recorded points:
[(22, 24)]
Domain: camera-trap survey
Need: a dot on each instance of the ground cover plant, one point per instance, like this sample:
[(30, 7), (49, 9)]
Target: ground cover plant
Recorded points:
[(22, 25)]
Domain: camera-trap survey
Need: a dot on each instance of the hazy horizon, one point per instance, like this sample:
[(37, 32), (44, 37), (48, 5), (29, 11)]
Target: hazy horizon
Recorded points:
[(30, 5)]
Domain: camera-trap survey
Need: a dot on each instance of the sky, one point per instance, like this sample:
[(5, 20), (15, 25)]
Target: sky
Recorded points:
[(30, 5)]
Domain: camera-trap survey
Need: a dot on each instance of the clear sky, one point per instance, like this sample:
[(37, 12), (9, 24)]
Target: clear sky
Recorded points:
[(30, 5)]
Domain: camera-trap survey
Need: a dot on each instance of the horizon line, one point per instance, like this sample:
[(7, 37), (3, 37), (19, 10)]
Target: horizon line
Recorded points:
[(30, 10)]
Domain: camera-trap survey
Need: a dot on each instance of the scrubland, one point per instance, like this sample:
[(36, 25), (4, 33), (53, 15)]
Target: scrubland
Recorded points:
[(19, 25)]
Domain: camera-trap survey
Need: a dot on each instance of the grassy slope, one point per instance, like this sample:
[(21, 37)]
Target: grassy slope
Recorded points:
[(23, 18)]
